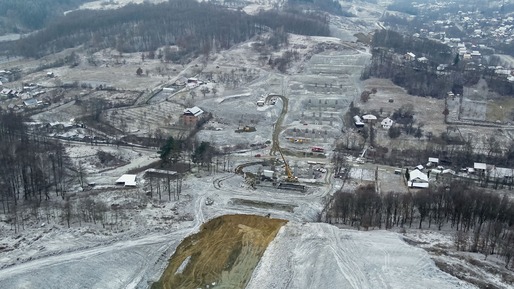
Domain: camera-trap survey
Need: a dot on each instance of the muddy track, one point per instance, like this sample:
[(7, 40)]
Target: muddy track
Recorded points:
[(218, 182)]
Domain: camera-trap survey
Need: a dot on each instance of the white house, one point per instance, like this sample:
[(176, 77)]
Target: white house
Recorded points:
[(417, 179), (386, 123)]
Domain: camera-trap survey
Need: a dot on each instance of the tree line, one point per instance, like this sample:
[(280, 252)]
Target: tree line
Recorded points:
[(483, 222), (193, 26), (32, 167)]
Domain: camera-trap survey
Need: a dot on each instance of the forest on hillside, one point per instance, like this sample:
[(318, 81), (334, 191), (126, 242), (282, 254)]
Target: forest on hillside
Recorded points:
[(194, 27), (32, 167), (22, 16)]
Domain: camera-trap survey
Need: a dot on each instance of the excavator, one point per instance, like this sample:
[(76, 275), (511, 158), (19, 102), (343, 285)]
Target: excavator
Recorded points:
[(290, 177)]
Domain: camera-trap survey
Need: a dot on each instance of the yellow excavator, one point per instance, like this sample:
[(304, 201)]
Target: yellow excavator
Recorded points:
[(290, 177)]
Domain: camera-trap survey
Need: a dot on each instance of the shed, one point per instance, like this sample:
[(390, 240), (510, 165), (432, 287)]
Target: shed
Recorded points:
[(127, 180), (480, 166), (358, 121), (433, 160), (423, 59), (409, 56)]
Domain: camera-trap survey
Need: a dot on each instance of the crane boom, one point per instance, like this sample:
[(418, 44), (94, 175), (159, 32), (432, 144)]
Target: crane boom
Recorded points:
[(289, 173)]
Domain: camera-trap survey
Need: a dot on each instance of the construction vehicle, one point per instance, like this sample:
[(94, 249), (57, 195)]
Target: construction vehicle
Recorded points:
[(317, 149), (290, 177)]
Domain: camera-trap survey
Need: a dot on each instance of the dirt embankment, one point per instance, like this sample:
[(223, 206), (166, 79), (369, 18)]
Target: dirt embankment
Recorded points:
[(224, 253)]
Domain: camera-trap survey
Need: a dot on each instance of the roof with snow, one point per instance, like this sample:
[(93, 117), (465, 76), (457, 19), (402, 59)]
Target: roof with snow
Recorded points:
[(502, 172), (127, 180), (196, 111), (417, 175), (30, 102), (387, 121), (433, 160), (417, 179), (160, 172), (369, 117), (479, 166)]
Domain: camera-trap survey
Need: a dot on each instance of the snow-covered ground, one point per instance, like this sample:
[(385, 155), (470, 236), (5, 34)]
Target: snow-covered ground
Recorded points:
[(304, 255), (315, 255), (118, 265)]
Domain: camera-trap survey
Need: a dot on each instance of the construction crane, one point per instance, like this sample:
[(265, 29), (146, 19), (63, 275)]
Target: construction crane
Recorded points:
[(290, 177)]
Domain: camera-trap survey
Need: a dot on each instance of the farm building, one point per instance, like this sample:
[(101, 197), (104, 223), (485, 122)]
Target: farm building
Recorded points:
[(127, 180), (417, 179), (191, 116)]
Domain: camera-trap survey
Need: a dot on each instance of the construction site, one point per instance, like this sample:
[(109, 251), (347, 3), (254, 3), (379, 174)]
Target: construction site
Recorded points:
[(250, 217)]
